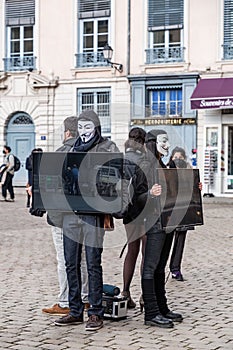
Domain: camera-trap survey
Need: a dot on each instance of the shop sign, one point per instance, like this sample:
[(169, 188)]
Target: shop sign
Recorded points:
[(164, 121)]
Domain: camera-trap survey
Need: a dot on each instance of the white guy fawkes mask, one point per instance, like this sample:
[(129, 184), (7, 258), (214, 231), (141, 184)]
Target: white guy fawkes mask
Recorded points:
[(86, 130), (163, 144)]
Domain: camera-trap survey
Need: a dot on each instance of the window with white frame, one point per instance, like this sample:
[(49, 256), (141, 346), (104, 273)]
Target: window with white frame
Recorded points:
[(165, 29), (165, 103), (228, 30), (99, 101), (20, 20), (94, 27), (21, 41), (94, 35)]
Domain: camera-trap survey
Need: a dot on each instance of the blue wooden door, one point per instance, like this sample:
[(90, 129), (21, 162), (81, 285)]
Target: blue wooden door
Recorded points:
[(21, 139), (21, 145)]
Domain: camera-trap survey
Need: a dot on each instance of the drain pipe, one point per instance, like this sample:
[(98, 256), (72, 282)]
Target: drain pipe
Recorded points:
[(128, 38)]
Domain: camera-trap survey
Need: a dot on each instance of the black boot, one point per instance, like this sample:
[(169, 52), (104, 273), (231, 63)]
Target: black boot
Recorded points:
[(162, 300), (160, 321), (174, 316), (149, 297), (159, 285)]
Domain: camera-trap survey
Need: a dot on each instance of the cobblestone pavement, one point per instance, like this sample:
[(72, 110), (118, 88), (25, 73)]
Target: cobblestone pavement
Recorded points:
[(29, 282)]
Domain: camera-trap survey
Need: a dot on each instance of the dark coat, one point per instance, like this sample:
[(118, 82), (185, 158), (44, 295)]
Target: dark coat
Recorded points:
[(54, 217), (102, 145), (146, 177), (132, 160), (29, 169)]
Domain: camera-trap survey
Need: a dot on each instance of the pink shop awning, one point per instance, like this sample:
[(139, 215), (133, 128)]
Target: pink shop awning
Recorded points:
[(216, 93)]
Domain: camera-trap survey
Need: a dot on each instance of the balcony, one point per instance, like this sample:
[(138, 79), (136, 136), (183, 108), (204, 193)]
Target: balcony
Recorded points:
[(90, 59), (227, 51), (164, 55), (19, 63)]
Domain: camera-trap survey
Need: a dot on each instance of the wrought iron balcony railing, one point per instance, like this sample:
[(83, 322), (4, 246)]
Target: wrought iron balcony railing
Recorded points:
[(227, 51), (90, 59), (162, 55), (19, 63)]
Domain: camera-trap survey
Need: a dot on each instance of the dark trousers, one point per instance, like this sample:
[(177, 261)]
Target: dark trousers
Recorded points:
[(177, 251), (74, 232), (8, 186), (158, 246)]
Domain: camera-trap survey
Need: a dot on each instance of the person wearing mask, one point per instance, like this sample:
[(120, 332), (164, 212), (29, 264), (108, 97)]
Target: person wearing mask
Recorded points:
[(178, 160), (55, 219), (158, 242), (134, 155), (85, 231), (8, 175)]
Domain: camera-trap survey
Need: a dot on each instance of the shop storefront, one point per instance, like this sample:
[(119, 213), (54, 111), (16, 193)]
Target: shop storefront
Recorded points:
[(213, 98), (163, 102)]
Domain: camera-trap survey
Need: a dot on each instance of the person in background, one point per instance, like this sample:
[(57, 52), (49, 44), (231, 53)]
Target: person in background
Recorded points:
[(28, 167), (55, 219), (178, 160), (194, 158), (158, 242), (8, 175), (134, 155)]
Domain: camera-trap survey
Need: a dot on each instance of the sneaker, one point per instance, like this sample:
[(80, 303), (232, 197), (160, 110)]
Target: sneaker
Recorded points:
[(56, 310), (3, 199), (178, 276), (10, 200), (94, 322), (68, 320)]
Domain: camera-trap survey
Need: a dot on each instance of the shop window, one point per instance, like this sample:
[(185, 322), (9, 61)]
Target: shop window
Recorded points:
[(212, 137), (212, 146)]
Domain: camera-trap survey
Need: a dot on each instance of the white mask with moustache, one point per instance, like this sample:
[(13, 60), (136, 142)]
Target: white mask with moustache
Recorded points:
[(162, 144), (86, 130)]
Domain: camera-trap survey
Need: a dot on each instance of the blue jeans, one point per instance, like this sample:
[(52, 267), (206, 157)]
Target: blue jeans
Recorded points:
[(79, 234)]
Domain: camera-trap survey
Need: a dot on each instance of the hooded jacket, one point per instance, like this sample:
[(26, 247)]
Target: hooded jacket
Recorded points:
[(96, 144)]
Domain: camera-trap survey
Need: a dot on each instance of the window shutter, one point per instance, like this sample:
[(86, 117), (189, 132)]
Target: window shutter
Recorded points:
[(94, 8), (20, 12), (165, 14), (228, 22)]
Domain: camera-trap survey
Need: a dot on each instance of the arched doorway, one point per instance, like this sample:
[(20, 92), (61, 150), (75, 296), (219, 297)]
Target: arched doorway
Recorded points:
[(20, 136)]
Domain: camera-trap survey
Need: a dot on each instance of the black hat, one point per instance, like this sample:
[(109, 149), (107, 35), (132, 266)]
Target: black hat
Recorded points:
[(89, 114), (152, 134)]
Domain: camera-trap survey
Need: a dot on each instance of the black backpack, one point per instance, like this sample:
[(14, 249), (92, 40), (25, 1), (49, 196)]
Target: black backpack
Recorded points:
[(17, 163)]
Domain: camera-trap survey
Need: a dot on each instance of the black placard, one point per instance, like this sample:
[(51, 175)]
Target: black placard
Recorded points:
[(181, 203), (82, 182)]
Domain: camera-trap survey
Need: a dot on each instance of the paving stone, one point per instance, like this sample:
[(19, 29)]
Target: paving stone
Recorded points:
[(29, 282)]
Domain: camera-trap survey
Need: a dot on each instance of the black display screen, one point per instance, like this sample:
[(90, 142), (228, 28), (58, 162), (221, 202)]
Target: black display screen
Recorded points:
[(181, 203), (82, 182)]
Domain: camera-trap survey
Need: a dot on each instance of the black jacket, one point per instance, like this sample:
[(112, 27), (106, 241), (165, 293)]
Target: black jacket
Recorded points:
[(55, 217), (132, 161), (146, 177)]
